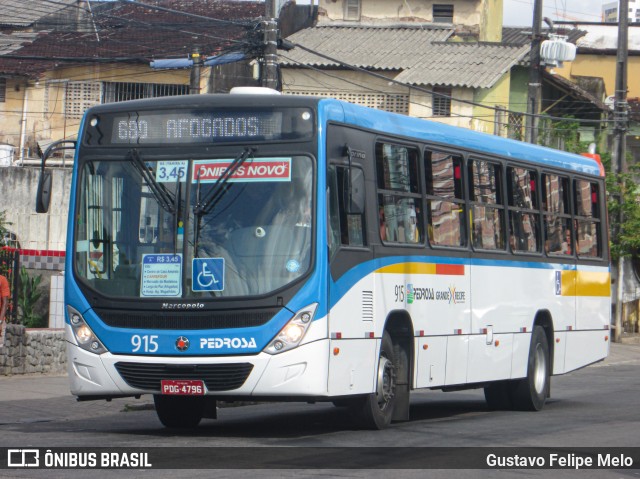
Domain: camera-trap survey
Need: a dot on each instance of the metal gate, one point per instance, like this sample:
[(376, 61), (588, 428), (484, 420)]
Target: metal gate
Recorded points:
[(10, 268)]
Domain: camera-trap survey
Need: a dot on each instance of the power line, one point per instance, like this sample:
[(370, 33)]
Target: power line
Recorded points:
[(431, 92)]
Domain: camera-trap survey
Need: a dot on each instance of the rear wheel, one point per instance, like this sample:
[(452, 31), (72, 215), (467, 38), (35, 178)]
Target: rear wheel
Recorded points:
[(376, 409), (530, 393), (181, 412)]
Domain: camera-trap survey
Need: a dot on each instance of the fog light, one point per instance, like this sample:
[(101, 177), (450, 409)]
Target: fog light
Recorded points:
[(278, 345), (75, 319)]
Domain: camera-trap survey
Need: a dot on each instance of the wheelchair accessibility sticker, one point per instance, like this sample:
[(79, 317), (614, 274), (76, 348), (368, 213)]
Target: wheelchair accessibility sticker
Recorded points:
[(207, 274)]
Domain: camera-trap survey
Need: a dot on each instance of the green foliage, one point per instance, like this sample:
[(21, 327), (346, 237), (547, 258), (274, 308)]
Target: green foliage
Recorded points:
[(622, 204), (3, 224), (28, 296)]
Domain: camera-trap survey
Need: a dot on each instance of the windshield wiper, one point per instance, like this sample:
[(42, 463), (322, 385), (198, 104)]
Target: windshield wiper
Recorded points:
[(204, 205), (161, 194)]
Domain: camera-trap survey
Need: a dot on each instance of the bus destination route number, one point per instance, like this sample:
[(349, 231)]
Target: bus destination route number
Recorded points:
[(183, 387)]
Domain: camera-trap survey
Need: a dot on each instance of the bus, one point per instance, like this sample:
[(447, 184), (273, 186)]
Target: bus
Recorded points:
[(288, 248)]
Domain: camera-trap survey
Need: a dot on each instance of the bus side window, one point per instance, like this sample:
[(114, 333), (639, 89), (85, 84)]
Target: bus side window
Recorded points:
[(399, 199), (343, 229), (487, 210), (558, 237), (445, 200), (524, 219), (587, 203)]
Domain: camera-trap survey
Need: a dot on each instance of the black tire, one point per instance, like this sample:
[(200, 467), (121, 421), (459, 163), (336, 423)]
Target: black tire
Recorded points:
[(179, 412), (498, 395), (530, 393), (376, 409)]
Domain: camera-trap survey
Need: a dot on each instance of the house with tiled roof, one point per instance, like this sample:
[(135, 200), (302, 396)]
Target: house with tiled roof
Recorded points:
[(451, 62), (58, 59)]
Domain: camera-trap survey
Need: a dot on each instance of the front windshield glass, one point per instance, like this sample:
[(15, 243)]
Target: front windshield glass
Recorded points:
[(174, 229)]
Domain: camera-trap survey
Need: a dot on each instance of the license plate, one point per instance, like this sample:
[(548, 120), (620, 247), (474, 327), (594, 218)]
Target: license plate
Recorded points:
[(183, 387)]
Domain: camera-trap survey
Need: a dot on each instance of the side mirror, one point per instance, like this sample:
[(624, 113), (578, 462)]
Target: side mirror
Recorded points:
[(43, 198), (354, 191)]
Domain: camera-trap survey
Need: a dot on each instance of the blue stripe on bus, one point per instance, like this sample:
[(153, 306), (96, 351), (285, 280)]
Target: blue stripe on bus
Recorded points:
[(347, 281)]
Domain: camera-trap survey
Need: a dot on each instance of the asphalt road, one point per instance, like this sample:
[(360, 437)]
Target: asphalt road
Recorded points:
[(593, 407)]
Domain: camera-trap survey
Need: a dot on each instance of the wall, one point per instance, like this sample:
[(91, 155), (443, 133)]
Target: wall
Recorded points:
[(35, 231), (27, 351), (464, 12), (603, 66), (496, 96), (46, 99)]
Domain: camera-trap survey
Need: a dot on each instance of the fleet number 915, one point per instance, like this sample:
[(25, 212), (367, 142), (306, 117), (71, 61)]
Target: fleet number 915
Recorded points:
[(146, 343)]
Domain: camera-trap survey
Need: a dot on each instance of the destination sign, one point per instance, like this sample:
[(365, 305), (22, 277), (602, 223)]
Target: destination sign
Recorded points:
[(144, 127)]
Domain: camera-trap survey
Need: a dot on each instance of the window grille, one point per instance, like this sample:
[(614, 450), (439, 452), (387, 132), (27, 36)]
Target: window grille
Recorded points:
[(123, 91), (388, 102), (442, 13), (441, 101), (3, 90), (80, 95), (352, 10), (515, 126)]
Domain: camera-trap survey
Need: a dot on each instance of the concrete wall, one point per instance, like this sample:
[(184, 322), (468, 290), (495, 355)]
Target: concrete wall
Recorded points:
[(464, 12), (18, 187), (27, 351)]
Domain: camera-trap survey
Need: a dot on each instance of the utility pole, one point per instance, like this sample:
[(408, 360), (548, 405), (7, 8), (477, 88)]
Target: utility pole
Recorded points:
[(270, 30), (534, 90), (620, 144), (194, 79)]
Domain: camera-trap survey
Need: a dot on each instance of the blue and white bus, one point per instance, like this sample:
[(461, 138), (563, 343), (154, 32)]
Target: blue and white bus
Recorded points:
[(272, 247)]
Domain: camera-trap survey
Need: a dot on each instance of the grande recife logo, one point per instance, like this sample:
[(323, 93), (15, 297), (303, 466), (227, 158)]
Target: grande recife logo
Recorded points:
[(260, 170)]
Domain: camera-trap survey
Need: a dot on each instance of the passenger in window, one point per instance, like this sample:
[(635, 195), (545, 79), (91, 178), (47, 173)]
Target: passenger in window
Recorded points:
[(566, 243), (383, 224)]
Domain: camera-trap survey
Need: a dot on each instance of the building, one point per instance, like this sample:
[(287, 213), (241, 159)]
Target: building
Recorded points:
[(610, 12), (452, 63)]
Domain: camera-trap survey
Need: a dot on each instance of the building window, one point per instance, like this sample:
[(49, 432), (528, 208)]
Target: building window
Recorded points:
[(352, 10), (123, 91), (516, 126), (80, 95), (441, 100), (3, 90), (442, 13)]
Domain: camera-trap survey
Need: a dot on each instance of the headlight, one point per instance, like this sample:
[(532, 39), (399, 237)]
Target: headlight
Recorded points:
[(290, 336), (83, 334)]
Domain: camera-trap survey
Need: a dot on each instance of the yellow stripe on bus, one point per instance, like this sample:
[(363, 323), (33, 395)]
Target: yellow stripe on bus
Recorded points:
[(409, 268), (586, 283)]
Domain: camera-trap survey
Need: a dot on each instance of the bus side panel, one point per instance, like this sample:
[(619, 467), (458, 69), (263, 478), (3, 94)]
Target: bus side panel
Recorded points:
[(351, 366), (431, 360), (586, 347), (521, 344), (559, 352), (457, 355), (490, 361), (593, 293)]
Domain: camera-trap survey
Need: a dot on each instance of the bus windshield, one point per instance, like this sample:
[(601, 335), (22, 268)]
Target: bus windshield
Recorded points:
[(149, 228)]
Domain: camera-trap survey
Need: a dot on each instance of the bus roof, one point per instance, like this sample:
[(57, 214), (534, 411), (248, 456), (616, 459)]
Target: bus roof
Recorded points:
[(395, 124), (433, 131)]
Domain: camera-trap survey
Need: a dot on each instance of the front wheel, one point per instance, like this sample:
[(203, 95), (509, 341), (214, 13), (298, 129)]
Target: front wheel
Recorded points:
[(530, 393), (180, 412), (376, 409)]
